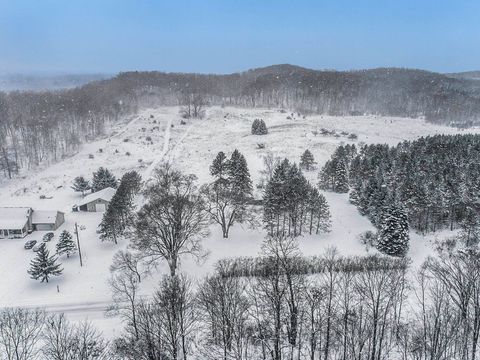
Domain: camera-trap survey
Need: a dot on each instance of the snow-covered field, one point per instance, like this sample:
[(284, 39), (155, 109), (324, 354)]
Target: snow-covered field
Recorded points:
[(157, 135)]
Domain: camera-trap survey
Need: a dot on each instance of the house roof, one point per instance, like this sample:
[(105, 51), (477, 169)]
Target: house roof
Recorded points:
[(13, 218), (105, 194), (44, 216)]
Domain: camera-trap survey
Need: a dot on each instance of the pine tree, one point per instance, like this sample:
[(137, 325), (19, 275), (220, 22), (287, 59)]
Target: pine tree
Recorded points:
[(120, 212), (110, 227), (220, 168), (307, 160), (239, 177), (65, 244), (341, 178), (393, 236), (103, 179), (226, 198), (259, 127), (44, 266), (80, 184), (470, 228)]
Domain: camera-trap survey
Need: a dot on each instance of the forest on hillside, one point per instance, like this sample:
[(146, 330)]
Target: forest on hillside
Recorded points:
[(46, 126), (433, 182)]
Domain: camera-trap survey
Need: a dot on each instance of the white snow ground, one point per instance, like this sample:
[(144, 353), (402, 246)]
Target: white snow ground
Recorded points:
[(83, 291)]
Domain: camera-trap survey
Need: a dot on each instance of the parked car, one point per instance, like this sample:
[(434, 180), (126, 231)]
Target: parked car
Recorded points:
[(29, 244), (48, 236), (38, 247)]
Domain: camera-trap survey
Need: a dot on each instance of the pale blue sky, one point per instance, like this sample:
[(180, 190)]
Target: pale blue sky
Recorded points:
[(232, 35)]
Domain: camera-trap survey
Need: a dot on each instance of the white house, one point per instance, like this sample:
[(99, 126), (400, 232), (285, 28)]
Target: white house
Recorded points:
[(15, 222), (44, 220), (96, 202)]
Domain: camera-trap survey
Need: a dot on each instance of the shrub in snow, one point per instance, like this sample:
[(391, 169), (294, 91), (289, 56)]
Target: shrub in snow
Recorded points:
[(259, 127), (368, 239)]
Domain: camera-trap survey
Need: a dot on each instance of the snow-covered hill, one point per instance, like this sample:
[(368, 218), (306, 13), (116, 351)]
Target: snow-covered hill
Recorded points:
[(157, 135)]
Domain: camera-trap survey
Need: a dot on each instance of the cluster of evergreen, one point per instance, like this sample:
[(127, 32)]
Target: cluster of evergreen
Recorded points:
[(434, 182), (334, 174), (228, 195), (436, 178), (120, 212), (102, 179), (38, 127), (259, 127), (292, 205)]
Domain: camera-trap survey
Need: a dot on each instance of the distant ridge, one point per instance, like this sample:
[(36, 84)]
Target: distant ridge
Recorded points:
[(20, 82), (439, 98), (466, 75)]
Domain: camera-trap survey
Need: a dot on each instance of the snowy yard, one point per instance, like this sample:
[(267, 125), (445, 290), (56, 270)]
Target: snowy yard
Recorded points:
[(156, 135)]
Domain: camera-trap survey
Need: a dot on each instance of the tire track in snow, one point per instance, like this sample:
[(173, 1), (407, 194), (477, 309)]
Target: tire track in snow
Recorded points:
[(147, 175)]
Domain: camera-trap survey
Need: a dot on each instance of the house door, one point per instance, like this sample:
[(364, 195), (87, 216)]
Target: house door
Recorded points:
[(100, 207)]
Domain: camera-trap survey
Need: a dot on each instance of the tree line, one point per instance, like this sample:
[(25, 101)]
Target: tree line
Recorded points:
[(38, 127), (363, 307), (428, 184)]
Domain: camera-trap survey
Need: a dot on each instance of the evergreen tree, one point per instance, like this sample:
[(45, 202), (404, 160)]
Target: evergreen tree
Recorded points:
[(110, 228), (44, 266), (103, 179), (239, 177), (65, 244), (220, 168), (307, 160), (341, 178), (226, 198), (393, 236), (292, 205), (80, 184), (120, 212), (470, 228), (259, 127)]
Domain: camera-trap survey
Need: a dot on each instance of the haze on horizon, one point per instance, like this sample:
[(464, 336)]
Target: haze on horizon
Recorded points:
[(224, 36)]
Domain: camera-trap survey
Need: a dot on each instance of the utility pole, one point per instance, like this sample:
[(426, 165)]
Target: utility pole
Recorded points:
[(78, 244)]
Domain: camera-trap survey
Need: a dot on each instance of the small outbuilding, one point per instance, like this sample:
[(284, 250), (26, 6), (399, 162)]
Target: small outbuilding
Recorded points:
[(15, 222), (43, 220), (96, 202)]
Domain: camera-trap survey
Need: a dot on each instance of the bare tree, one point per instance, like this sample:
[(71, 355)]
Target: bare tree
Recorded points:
[(225, 305), (173, 221), (178, 316), (124, 286), (64, 341), (126, 261), (20, 333), (147, 343), (193, 104)]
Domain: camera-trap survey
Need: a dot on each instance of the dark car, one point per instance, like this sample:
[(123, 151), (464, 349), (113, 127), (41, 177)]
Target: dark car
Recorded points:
[(29, 244), (48, 236), (38, 247)]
